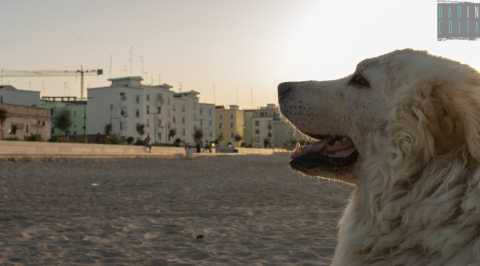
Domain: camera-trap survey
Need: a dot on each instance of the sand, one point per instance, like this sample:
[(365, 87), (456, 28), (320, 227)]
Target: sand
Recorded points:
[(226, 210)]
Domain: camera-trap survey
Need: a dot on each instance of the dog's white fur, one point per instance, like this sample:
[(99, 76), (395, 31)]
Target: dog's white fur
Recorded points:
[(417, 196)]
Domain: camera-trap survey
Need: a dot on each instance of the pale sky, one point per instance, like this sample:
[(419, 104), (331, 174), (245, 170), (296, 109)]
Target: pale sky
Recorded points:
[(235, 46)]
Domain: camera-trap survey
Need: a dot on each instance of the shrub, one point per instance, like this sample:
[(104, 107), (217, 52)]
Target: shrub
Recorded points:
[(34, 137)]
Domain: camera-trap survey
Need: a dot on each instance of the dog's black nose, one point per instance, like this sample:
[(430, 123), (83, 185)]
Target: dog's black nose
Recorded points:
[(284, 89)]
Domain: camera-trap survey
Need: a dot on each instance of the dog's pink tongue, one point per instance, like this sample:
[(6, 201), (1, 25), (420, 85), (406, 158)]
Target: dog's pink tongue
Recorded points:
[(314, 147)]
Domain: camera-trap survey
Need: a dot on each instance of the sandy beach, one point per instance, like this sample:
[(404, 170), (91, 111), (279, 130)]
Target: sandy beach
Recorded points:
[(225, 210)]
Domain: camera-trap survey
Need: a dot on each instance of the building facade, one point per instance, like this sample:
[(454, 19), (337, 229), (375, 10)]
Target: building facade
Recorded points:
[(12, 95), (229, 125), (23, 122), (128, 108), (75, 108), (267, 128), (207, 121), (458, 20)]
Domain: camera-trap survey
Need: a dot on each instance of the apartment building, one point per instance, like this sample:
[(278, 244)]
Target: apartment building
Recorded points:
[(207, 121), (22, 122), (12, 95), (75, 108), (130, 109), (185, 115), (267, 128), (458, 20), (229, 124)]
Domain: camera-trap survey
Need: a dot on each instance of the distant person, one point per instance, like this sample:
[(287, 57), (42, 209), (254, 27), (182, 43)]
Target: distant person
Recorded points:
[(147, 144)]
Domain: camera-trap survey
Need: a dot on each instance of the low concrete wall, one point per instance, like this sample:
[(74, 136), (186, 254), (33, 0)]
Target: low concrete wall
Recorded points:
[(47, 149)]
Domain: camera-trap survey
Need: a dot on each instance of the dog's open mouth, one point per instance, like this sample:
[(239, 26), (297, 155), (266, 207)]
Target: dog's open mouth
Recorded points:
[(330, 153)]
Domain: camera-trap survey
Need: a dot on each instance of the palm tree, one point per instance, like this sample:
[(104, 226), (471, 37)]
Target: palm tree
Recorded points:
[(63, 121), (3, 117)]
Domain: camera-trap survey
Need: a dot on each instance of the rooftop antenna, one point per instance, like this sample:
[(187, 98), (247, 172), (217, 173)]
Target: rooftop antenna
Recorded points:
[(251, 96), (214, 94), (130, 61), (110, 67), (236, 95)]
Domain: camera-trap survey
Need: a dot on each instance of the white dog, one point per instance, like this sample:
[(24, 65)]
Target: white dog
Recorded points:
[(406, 125)]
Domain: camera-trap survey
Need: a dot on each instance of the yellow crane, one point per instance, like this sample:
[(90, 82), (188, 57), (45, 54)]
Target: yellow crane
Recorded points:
[(8, 73)]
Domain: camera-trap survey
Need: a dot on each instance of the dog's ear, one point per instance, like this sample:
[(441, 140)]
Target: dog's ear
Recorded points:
[(433, 119)]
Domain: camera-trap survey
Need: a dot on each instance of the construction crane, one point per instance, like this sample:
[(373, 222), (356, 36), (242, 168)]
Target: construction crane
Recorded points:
[(7, 73)]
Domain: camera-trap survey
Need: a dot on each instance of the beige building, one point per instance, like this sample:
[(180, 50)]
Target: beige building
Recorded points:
[(229, 125), (24, 122)]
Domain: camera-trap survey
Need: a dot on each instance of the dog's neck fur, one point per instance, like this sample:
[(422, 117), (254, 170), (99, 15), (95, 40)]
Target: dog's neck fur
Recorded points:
[(401, 222)]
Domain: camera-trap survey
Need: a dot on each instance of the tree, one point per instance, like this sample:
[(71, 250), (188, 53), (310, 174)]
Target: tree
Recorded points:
[(141, 129), (198, 136), (63, 120), (108, 129), (238, 138), (219, 139), (172, 133), (266, 143), (3, 117)]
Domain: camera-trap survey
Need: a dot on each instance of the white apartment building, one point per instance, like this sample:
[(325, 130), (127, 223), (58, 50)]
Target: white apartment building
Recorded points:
[(206, 121), (12, 95), (130, 109), (184, 119)]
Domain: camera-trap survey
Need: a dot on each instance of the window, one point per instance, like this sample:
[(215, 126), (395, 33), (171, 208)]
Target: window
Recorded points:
[(459, 11), (183, 120), (123, 97), (111, 107), (476, 11), (137, 99), (174, 120), (148, 109), (440, 12), (159, 110), (148, 122), (123, 113), (148, 97), (137, 113), (257, 123), (439, 27), (201, 111), (220, 125), (1, 99), (210, 112), (459, 24), (257, 132), (231, 125), (121, 125), (160, 123), (468, 12), (450, 26), (477, 27), (449, 11), (184, 132), (467, 28), (183, 108)]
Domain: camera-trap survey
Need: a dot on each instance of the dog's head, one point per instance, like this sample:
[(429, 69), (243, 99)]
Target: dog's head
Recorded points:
[(406, 107)]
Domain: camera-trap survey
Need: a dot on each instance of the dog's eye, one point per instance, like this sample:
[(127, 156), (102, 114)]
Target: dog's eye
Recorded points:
[(359, 81)]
